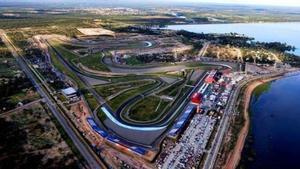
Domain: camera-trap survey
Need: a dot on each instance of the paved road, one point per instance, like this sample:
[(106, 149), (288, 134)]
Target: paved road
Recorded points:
[(204, 49), (103, 102), (131, 133), (20, 108), (212, 154), (110, 114), (91, 159)]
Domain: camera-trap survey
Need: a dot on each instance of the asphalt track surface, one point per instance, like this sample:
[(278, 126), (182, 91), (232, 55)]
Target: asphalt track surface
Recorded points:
[(100, 99), (134, 133), (137, 134), (140, 70), (92, 161)]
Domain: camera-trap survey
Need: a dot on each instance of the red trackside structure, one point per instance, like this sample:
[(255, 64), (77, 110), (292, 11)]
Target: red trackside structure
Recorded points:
[(211, 77), (196, 98)]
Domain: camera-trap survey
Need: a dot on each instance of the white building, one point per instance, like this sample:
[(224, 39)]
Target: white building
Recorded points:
[(69, 92)]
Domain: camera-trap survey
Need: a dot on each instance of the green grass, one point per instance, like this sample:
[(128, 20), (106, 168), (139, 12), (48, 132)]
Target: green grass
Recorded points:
[(22, 96), (19, 39), (101, 115), (261, 89), (108, 90), (145, 109), (172, 89), (60, 23), (2, 44), (117, 101), (94, 61), (180, 96), (8, 69), (62, 97), (162, 107), (91, 100), (67, 54), (57, 64), (72, 47), (133, 61), (5, 53), (8, 66)]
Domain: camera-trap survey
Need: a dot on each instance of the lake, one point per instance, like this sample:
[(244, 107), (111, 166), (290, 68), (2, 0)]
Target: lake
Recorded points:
[(264, 32), (274, 137)]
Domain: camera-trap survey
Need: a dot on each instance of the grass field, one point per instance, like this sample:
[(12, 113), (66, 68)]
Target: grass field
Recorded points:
[(57, 64), (152, 107), (8, 67), (117, 101), (72, 47), (101, 115), (18, 38), (23, 95), (133, 61), (42, 23), (4, 52), (93, 61), (91, 100), (2, 44), (67, 54), (108, 90), (147, 109), (172, 89)]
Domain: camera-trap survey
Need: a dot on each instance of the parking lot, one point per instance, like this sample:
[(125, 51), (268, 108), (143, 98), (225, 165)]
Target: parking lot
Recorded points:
[(187, 151), (189, 148)]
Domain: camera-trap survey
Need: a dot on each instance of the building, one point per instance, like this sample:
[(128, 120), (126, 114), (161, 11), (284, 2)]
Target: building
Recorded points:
[(196, 98), (211, 78), (69, 92)]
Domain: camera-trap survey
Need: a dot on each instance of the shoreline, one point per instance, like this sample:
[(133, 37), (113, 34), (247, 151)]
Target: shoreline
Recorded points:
[(225, 23), (234, 156)]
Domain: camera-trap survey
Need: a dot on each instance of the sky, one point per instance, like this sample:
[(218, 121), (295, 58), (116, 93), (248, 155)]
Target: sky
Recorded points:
[(256, 2), (294, 3)]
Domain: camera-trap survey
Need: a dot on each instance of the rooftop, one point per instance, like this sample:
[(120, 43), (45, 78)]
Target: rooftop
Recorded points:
[(69, 91)]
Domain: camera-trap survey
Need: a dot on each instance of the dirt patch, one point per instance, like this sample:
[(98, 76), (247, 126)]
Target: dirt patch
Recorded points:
[(96, 31), (29, 139), (241, 54)]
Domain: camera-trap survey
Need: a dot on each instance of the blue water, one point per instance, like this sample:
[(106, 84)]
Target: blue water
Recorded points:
[(275, 127), (275, 115), (265, 32)]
